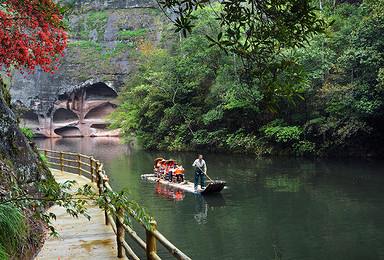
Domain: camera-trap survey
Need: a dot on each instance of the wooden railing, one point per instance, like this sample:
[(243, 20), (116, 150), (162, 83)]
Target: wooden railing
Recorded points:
[(94, 170)]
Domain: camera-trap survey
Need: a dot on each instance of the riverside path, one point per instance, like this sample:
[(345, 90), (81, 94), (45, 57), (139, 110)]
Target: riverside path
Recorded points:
[(79, 238)]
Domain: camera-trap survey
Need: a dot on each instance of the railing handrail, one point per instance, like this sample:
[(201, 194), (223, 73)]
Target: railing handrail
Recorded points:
[(97, 174)]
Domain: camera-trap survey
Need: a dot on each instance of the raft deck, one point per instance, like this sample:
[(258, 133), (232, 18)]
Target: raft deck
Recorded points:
[(187, 185)]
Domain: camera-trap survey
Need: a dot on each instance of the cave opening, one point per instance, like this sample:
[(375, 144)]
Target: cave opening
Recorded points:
[(101, 111), (68, 131), (100, 126), (99, 91), (63, 97), (63, 115), (31, 119)]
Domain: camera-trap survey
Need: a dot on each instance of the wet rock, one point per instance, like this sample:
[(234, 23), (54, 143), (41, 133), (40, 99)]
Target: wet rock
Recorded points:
[(15, 149)]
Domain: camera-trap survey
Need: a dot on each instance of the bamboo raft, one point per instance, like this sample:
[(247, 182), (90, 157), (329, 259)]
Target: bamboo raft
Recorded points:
[(187, 185)]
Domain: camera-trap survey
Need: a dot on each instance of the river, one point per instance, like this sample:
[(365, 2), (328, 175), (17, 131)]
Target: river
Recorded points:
[(272, 208)]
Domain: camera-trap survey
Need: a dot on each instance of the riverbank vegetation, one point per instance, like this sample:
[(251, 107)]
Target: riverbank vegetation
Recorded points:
[(187, 94)]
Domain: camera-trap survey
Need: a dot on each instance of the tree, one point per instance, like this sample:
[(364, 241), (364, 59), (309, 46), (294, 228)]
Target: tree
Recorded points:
[(263, 34), (31, 34)]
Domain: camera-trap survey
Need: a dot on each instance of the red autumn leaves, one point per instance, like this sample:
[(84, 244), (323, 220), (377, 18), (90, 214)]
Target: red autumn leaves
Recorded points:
[(31, 35)]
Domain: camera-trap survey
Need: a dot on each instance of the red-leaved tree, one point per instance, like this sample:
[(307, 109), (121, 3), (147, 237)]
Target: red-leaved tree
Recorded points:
[(31, 34)]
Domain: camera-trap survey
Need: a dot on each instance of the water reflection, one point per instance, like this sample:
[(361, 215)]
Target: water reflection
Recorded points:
[(201, 209), (168, 192), (215, 200), (102, 148), (204, 203)]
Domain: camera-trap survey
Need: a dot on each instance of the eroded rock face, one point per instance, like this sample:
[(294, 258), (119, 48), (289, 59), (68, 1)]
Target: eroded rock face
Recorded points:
[(15, 148), (82, 112), (106, 44), (116, 4)]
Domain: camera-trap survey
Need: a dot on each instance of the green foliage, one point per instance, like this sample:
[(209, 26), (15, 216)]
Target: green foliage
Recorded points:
[(45, 193), (263, 34), (242, 143), (5, 95), (189, 96), (3, 253), (84, 35), (121, 47), (44, 158), (97, 21), (75, 201), (27, 132), (304, 148), (283, 134), (130, 208), (127, 35), (50, 192), (87, 45), (13, 230)]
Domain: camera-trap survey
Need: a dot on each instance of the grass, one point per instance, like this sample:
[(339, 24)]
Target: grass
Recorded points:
[(131, 34), (124, 46), (13, 230), (88, 45)]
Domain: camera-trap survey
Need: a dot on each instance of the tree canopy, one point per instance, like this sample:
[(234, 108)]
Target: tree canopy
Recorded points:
[(262, 34), (186, 94), (31, 34)]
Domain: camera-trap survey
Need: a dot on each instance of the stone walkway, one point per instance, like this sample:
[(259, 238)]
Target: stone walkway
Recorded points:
[(79, 238)]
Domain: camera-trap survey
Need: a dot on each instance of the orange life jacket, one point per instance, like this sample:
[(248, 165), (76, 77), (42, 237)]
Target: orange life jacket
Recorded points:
[(169, 168), (179, 170), (162, 167)]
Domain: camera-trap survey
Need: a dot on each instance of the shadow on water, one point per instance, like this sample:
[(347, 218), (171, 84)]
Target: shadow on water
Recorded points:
[(215, 200), (273, 208)]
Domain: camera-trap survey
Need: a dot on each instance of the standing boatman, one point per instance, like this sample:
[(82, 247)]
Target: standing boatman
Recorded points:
[(198, 172)]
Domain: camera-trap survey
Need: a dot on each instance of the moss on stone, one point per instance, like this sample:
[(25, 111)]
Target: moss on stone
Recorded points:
[(104, 43), (6, 96), (128, 35)]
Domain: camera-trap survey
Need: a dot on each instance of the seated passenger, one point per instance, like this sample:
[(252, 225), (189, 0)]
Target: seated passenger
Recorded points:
[(179, 173), (163, 168), (171, 170), (158, 162)]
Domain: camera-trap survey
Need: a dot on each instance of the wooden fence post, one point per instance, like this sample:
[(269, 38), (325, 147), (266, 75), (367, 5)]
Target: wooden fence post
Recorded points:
[(61, 161), (97, 166), (45, 153), (106, 180), (91, 169), (79, 163), (120, 232), (151, 242)]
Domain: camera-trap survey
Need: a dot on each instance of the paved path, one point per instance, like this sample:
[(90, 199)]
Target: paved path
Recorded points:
[(79, 238)]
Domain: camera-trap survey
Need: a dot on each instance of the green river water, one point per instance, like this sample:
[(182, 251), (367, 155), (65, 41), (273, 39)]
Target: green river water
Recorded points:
[(272, 208)]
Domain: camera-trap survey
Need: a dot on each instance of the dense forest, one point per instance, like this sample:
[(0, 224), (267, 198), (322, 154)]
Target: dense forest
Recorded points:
[(188, 95)]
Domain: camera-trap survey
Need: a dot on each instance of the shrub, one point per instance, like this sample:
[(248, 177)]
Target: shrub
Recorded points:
[(27, 132), (45, 160), (304, 148), (13, 230), (283, 134)]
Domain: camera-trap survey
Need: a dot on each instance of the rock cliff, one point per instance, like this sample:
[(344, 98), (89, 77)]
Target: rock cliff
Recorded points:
[(105, 44), (16, 150)]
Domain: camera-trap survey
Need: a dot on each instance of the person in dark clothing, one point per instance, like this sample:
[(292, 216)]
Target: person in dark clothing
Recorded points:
[(200, 165)]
